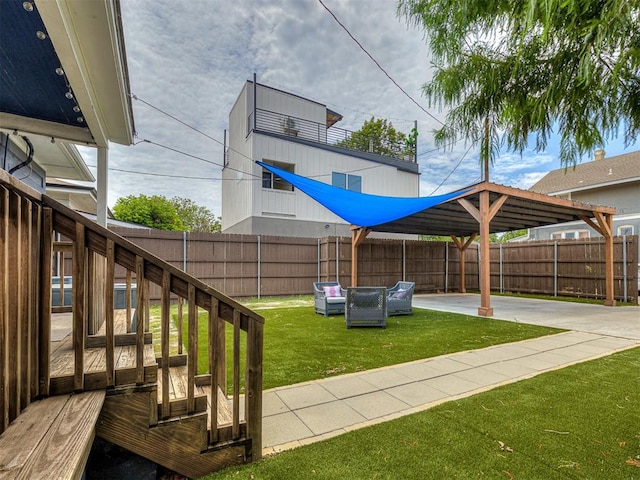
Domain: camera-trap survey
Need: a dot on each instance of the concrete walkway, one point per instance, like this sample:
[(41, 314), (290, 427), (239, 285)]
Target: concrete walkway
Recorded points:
[(313, 411)]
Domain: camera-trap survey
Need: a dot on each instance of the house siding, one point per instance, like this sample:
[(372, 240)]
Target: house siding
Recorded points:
[(625, 197), (248, 208)]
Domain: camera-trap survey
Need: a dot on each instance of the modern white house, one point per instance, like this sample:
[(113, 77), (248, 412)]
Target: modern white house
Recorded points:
[(298, 135), (613, 181)]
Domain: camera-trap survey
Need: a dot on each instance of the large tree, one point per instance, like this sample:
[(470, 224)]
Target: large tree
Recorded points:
[(508, 69), (196, 218), (378, 135), (154, 211)]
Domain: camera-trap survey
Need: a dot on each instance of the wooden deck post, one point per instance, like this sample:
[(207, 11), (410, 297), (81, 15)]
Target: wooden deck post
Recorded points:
[(253, 397)]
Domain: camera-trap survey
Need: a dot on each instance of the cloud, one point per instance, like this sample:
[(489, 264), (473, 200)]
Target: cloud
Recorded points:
[(190, 60)]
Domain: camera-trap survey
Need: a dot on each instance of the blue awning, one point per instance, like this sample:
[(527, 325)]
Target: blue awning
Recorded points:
[(360, 209)]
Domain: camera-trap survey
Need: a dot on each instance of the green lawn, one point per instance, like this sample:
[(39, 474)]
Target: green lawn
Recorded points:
[(301, 345), (581, 422)]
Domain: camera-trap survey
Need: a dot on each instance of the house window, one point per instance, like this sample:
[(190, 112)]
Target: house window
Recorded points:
[(571, 234), (347, 181), (625, 230), (273, 181)]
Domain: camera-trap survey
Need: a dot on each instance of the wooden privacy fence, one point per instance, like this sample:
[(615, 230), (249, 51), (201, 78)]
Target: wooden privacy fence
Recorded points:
[(251, 265)]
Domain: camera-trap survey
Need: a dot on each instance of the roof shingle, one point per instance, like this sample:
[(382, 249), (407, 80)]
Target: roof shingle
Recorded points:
[(618, 169)]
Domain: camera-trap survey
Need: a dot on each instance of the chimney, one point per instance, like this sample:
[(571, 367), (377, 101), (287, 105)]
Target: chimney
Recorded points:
[(599, 155)]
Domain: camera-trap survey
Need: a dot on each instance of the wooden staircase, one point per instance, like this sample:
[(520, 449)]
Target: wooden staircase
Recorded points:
[(158, 401)]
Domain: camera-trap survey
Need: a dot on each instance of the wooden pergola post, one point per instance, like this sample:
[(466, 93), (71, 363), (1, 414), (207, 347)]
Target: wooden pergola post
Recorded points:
[(462, 247), (483, 216), (605, 228), (358, 234)]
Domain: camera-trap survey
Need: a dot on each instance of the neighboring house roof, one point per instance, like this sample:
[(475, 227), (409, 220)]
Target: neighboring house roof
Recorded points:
[(80, 197), (598, 173), (64, 71)]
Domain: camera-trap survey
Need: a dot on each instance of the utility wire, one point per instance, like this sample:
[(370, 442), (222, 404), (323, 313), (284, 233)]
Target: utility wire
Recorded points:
[(451, 172), (378, 64)]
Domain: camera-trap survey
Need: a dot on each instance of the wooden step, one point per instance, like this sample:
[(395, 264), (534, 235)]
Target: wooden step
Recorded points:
[(181, 444), (52, 438)]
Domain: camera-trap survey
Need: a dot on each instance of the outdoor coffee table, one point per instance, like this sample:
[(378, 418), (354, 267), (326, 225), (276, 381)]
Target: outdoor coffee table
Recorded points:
[(366, 307)]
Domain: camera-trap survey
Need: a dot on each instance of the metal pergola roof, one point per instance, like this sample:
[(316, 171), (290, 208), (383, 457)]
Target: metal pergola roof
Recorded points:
[(518, 209)]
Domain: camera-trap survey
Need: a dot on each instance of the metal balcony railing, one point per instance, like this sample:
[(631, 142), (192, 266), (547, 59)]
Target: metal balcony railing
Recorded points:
[(290, 126)]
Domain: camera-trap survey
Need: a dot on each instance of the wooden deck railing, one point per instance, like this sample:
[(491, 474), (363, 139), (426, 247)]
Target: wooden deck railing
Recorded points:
[(29, 224)]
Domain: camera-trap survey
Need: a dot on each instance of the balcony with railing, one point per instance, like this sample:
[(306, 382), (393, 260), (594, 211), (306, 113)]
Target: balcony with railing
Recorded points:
[(300, 128)]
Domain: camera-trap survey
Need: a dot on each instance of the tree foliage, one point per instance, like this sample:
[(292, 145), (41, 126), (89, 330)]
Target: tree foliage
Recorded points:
[(154, 211), (510, 69), (378, 135), (196, 218)]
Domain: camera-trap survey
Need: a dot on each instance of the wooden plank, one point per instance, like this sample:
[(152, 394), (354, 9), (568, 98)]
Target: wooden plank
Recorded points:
[(236, 374), (214, 358), (140, 320), (253, 390), (4, 308), (13, 330), (192, 359), (164, 334), (120, 339), (127, 300), (64, 450), (22, 437), (108, 314), (79, 316), (23, 299), (35, 300)]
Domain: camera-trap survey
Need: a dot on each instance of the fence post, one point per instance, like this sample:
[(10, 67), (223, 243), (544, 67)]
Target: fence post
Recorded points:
[(501, 277), (480, 260), (337, 259), (318, 260), (624, 267), (446, 267), (404, 260), (184, 251), (555, 269), (258, 266)]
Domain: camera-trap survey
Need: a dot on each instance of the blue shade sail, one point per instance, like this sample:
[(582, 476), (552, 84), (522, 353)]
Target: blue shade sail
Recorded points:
[(360, 209)]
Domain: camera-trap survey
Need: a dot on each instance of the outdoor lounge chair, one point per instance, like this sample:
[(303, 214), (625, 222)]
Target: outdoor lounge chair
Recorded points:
[(399, 299), (329, 297)]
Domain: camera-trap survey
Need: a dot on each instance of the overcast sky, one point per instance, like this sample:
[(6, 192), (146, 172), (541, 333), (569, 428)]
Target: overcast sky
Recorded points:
[(190, 60)]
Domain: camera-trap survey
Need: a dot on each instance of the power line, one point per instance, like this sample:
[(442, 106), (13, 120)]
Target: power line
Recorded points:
[(378, 64), (451, 172)]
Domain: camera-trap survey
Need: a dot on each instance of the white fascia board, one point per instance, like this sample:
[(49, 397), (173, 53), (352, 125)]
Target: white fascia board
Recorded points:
[(87, 39), (594, 186)]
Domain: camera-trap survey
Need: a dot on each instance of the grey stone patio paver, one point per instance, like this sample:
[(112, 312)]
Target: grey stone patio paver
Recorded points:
[(283, 428), (348, 386), (272, 404), (447, 365), (376, 404), (483, 376), (385, 378), (305, 396), (418, 371), (452, 384), (511, 368), (329, 416), (418, 393)]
